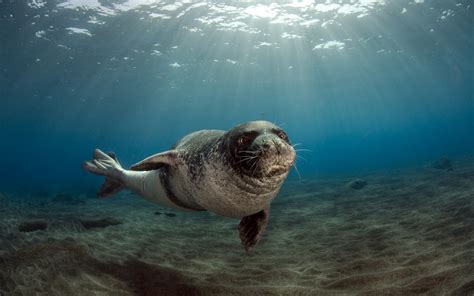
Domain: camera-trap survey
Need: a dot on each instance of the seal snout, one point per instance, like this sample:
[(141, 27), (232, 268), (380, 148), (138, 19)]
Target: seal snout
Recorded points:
[(266, 145), (276, 155)]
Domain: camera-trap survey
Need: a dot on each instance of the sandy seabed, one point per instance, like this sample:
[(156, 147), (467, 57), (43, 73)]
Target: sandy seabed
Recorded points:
[(407, 232)]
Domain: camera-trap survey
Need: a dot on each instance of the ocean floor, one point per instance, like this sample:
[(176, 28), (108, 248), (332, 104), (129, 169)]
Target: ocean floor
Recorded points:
[(404, 232)]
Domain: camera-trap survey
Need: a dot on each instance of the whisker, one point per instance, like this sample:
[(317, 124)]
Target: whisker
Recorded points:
[(301, 157), (297, 144), (298, 172), (252, 166), (277, 124), (247, 159), (256, 163), (303, 150), (250, 152), (242, 160)]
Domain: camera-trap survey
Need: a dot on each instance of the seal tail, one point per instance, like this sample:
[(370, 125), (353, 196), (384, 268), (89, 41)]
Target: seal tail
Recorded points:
[(106, 164)]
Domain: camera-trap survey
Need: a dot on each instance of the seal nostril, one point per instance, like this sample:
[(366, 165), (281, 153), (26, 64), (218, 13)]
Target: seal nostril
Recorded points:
[(265, 145)]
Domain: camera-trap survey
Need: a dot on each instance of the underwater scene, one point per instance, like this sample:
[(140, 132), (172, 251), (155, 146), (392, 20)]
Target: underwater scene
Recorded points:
[(192, 147)]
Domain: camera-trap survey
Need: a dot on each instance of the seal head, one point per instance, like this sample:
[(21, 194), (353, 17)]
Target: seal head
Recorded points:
[(260, 150)]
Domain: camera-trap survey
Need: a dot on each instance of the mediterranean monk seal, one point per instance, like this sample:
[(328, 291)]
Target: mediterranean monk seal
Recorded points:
[(235, 174)]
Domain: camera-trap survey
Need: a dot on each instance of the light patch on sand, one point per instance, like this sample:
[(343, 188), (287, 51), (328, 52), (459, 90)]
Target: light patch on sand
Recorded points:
[(333, 44), (233, 62), (73, 30), (404, 10), (175, 65)]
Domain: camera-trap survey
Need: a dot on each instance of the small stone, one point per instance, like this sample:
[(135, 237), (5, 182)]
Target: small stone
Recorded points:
[(357, 184), (170, 214), (443, 163), (99, 223), (158, 213), (30, 226)]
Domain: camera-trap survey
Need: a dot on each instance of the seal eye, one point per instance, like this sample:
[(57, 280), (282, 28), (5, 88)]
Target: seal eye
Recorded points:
[(282, 135), (244, 140)]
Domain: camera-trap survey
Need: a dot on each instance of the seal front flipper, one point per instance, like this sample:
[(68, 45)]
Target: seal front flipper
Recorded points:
[(157, 161), (251, 228)]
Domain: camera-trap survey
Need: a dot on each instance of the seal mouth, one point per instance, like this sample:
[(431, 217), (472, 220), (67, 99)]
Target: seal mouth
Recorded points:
[(250, 160), (276, 170), (264, 163)]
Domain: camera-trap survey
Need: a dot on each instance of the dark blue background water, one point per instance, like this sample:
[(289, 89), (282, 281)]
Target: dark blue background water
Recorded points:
[(392, 88)]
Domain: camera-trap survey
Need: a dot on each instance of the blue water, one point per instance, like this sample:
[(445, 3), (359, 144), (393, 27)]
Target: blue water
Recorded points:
[(363, 85)]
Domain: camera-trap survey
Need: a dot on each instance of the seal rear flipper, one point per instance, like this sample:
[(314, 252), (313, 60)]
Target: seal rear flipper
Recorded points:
[(109, 187), (106, 164), (251, 228), (157, 161)]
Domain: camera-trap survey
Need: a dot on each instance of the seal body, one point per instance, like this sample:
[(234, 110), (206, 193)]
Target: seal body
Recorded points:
[(208, 181), (235, 173)]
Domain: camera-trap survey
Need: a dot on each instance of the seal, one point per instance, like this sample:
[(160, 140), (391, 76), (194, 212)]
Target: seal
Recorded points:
[(234, 174)]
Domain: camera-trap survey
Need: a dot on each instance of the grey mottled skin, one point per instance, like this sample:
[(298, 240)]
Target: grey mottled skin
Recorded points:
[(208, 179), (235, 174)]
